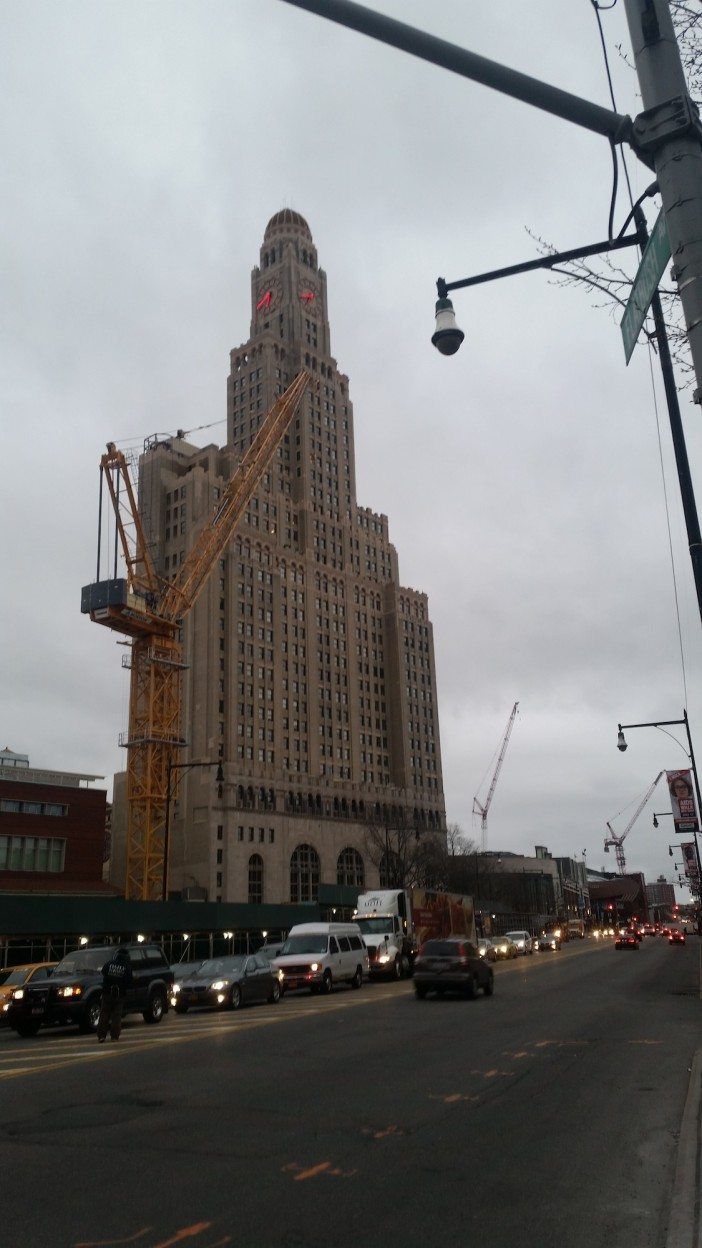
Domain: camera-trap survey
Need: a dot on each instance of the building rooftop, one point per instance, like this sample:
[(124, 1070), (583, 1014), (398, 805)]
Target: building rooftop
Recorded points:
[(286, 219), (16, 767)]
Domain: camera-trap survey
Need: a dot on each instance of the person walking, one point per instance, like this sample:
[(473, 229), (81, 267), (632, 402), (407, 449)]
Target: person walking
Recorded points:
[(117, 978)]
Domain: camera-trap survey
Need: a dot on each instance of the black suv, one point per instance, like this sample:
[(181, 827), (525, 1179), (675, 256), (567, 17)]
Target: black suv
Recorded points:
[(71, 993)]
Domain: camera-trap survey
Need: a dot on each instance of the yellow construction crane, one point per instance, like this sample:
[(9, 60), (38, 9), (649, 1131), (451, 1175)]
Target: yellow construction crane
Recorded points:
[(149, 609)]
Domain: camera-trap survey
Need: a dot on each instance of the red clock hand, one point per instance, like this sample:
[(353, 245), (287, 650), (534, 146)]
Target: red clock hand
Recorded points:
[(307, 296), (264, 301)]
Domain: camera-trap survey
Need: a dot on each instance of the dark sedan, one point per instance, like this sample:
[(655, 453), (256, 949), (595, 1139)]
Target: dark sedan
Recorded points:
[(451, 965), (676, 937), (227, 983), (627, 940)]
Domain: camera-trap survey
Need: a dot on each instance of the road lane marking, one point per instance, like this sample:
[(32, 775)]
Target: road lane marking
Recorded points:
[(208, 1028), (312, 1172), (188, 1232), (113, 1243), (382, 1134), (221, 1028)]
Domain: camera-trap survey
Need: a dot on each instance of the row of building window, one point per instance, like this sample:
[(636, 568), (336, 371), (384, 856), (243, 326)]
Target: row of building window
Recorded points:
[(305, 873), (10, 806), (32, 853)]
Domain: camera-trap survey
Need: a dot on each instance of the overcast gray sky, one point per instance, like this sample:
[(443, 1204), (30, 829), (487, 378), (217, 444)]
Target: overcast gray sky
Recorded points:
[(145, 146)]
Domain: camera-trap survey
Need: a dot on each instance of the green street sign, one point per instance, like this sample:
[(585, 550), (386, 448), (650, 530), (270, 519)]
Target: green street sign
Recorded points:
[(651, 270)]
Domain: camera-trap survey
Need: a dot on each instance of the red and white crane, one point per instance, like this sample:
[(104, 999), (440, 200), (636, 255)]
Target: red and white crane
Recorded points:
[(480, 808), (617, 840)]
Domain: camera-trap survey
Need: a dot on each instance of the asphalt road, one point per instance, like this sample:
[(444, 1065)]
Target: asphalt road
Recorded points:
[(544, 1117)]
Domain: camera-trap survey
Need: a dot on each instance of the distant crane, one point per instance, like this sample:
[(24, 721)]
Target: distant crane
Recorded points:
[(478, 807), (618, 840)]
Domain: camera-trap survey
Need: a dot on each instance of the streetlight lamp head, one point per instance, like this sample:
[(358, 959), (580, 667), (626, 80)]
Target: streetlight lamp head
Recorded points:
[(621, 741), (670, 851), (447, 337), (655, 821)]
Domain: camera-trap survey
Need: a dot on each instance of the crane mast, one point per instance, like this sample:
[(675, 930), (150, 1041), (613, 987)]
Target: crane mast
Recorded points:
[(478, 807), (617, 840), (149, 609)]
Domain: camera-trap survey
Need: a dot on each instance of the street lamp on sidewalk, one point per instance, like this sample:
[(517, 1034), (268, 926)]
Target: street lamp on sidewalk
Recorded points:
[(167, 830), (663, 725)]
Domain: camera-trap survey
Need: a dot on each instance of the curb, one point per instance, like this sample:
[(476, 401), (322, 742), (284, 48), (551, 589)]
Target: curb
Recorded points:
[(684, 1223)]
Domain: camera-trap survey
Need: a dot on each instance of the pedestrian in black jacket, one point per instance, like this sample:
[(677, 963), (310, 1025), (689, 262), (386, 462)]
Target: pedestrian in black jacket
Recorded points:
[(116, 979)]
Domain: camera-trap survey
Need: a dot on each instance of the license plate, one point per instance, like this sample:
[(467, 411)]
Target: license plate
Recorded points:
[(37, 1010)]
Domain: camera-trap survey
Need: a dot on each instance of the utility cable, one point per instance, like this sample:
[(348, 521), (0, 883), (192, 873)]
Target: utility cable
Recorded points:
[(649, 191)]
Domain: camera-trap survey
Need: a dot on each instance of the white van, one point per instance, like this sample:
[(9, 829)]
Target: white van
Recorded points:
[(319, 955)]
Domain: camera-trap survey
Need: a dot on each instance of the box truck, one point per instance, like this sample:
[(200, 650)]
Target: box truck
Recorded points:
[(395, 922)]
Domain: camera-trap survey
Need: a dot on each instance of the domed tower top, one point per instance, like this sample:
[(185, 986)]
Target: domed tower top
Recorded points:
[(287, 221)]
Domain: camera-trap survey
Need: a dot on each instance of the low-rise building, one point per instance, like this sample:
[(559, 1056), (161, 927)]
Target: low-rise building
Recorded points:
[(52, 829)]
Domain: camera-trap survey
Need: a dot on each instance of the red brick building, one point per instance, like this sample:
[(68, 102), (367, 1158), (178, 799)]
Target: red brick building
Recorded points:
[(52, 830)]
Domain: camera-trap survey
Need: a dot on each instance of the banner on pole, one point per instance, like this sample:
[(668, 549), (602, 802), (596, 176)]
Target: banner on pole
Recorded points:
[(682, 801), (690, 859)]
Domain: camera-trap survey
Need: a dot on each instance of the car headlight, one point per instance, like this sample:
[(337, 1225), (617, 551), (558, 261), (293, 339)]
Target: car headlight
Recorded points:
[(71, 990), (175, 989), (219, 984), (384, 957), (314, 966), (18, 994), (281, 976), (6, 1006)]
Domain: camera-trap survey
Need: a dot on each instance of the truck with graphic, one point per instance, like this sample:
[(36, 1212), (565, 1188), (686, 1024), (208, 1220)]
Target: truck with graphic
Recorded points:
[(395, 922)]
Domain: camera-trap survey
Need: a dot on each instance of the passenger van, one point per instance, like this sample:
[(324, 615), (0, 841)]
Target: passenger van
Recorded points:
[(319, 955)]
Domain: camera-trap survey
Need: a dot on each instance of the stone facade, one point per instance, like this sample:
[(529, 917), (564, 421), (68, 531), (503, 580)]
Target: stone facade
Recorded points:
[(311, 670)]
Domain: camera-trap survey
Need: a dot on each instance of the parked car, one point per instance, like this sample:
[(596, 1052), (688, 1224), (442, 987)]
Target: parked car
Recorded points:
[(522, 940), (626, 939), (227, 983), (271, 951), (486, 949), (451, 965), (17, 977), (504, 947), (649, 929), (319, 955), (182, 970), (676, 938), (71, 995), (549, 940)]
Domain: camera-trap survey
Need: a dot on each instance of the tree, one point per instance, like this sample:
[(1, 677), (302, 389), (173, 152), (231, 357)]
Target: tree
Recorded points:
[(409, 857)]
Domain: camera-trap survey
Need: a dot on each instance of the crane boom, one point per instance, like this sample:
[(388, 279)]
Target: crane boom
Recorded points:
[(617, 839), (149, 608), (478, 807)]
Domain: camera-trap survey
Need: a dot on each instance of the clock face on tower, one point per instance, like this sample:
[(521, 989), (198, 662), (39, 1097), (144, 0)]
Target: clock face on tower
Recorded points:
[(307, 294), (268, 297)]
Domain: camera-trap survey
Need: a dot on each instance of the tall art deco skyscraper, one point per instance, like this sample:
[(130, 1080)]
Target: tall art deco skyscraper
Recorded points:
[(311, 671)]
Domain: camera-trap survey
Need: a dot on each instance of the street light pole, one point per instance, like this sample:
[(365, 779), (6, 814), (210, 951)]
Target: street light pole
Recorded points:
[(171, 767), (669, 132), (667, 136), (687, 493), (669, 723)]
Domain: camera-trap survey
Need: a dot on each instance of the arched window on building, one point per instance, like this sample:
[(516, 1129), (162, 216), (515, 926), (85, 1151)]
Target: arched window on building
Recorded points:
[(349, 868), (304, 874), (255, 880)]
